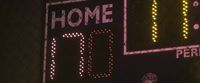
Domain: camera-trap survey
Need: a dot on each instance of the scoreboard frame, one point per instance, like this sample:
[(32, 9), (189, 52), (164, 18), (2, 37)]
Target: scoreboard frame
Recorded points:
[(145, 51)]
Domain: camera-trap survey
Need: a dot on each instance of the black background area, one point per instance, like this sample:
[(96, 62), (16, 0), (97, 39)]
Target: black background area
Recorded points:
[(101, 53), (67, 62)]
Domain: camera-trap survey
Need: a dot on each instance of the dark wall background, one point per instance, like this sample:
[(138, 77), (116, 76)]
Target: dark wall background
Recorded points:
[(21, 41)]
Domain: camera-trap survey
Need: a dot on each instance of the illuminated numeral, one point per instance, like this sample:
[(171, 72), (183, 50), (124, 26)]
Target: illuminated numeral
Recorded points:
[(82, 45), (82, 48), (185, 18), (91, 54), (53, 52), (154, 21), (52, 65)]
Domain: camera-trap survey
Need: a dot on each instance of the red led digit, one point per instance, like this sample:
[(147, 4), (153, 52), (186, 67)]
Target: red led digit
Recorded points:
[(53, 53), (91, 72), (52, 65), (82, 45)]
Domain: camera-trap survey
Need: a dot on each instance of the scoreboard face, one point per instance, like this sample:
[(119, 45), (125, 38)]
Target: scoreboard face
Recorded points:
[(122, 41)]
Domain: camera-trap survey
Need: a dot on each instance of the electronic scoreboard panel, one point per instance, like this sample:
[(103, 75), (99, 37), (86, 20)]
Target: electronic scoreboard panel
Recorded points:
[(122, 41)]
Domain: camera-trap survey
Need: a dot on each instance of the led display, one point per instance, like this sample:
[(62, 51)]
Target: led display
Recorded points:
[(121, 41)]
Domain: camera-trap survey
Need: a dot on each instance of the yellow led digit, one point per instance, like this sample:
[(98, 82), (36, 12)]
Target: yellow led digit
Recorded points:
[(185, 18), (154, 23)]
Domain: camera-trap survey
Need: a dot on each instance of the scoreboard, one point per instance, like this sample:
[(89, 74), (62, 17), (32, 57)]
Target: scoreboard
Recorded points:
[(122, 41)]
